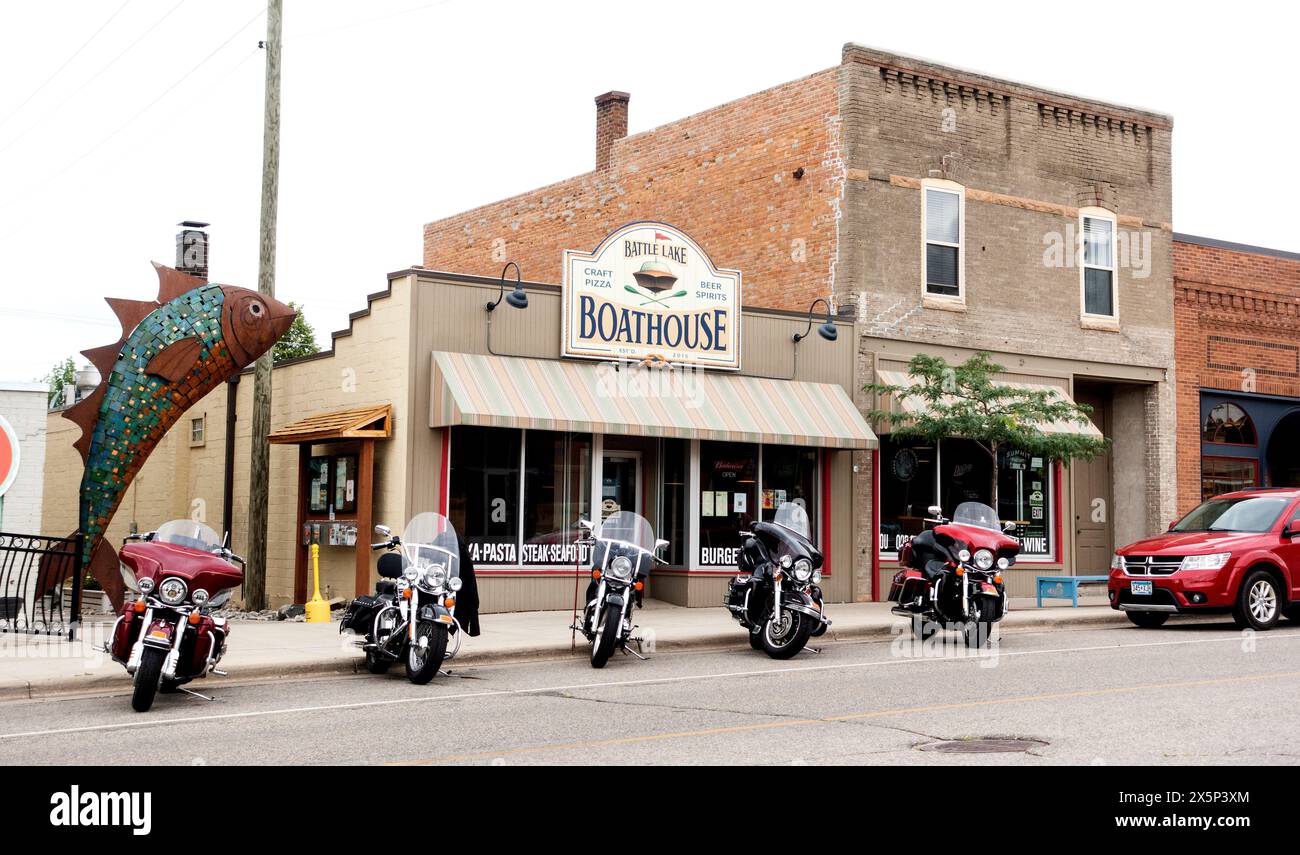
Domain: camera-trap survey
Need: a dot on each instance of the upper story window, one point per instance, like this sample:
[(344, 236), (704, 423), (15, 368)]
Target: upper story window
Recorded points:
[(1098, 263), (1229, 424), (943, 214), (198, 431)]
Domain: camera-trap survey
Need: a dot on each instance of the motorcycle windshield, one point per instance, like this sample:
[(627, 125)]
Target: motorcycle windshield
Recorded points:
[(793, 516), (188, 533), (976, 514), (627, 528), (430, 539)]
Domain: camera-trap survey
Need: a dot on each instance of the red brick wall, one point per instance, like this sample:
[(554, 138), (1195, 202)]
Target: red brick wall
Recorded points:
[(1237, 328), (724, 176)]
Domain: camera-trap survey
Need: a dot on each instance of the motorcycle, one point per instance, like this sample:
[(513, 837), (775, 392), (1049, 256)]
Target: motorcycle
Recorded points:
[(951, 576), (166, 636), (623, 551), (777, 593), (412, 616)]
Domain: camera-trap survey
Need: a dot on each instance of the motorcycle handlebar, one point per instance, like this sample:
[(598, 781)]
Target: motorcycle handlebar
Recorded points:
[(384, 545)]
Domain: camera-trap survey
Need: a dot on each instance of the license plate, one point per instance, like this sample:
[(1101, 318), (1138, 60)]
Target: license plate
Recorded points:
[(1141, 589)]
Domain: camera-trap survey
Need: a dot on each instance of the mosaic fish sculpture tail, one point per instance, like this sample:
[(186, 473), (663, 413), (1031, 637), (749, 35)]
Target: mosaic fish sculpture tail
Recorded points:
[(173, 351)]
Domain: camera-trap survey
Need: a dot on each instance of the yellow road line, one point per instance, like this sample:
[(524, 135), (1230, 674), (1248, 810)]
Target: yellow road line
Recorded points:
[(768, 725)]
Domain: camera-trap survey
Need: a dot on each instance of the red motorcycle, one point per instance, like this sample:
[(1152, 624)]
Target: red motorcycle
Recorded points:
[(952, 574), (167, 636)]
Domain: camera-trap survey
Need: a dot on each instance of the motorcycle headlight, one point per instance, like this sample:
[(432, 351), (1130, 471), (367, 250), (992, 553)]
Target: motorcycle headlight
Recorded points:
[(411, 573), (1214, 561), (963, 555), (621, 568), (817, 577), (1003, 563), (145, 585), (435, 576), (803, 570), (786, 561), (200, 597), (453, 584), (984, 559), (172, 591)]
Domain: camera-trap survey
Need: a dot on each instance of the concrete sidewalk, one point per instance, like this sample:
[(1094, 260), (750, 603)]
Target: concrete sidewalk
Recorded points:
[(34, 667)]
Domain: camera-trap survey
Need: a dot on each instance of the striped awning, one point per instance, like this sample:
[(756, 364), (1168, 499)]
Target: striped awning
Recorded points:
[(589, 397), (916, 406)]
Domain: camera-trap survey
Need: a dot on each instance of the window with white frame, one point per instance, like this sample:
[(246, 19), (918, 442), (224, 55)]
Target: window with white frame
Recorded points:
[(1098, 265), (198, 431), (942, 221)]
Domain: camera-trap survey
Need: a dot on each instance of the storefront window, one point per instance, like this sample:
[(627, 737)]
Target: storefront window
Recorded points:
[(1025, 498), (1225, 474), (790, 475), (484, 492), (674, 454), (728, 488), (1228, 423), (913, 473), (557, 488), (907, 487)]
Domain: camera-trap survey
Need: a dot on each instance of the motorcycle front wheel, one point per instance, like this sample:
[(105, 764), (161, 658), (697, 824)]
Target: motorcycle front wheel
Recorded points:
[(786, 637), (424, 660), (602, 646), (147, 677)]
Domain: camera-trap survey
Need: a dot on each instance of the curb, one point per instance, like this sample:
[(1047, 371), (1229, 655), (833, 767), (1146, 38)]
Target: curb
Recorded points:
[(119, 682)]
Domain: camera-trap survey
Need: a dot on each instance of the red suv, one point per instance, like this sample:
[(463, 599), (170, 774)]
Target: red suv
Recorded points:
[(1238, 553)]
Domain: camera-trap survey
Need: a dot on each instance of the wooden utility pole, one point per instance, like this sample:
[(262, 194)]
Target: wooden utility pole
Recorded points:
[(259, 467)]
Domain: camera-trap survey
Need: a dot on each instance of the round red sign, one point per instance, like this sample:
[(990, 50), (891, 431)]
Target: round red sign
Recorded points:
[(8, 455)]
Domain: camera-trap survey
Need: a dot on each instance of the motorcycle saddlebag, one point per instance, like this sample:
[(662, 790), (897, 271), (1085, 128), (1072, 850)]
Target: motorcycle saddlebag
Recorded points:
[(360, 614)]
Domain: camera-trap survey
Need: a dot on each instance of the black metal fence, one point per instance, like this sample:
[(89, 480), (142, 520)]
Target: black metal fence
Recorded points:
[(40, 584)]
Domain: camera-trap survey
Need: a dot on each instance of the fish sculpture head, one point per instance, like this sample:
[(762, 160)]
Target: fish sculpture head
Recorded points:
[(251, 323)]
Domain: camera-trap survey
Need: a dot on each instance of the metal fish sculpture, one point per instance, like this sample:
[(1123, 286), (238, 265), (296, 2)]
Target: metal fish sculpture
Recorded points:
[(173, 351)]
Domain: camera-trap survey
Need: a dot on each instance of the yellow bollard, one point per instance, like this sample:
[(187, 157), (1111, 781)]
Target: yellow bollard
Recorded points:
[(318, 611)]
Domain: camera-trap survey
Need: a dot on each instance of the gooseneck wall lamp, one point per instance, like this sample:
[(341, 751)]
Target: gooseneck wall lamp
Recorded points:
[(517, 298), (826, 330)]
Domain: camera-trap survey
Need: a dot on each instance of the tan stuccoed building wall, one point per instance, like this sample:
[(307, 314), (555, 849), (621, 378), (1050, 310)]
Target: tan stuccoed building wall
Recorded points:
[(369, 364)]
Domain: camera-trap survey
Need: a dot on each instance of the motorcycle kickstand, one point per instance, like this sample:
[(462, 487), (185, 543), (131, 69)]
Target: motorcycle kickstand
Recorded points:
[(195, 694), (636, 652), (812, 649)]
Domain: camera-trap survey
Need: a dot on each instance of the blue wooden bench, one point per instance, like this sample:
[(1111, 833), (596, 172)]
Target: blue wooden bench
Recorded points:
[(1065, 587)]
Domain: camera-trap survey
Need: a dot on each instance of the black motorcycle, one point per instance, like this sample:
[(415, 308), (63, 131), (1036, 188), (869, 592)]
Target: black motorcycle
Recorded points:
[(623, 550), (412, 616), (777, 594)]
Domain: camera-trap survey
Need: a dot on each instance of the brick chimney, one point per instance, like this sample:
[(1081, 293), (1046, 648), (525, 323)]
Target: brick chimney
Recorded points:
[(611, 125), (192, 249)]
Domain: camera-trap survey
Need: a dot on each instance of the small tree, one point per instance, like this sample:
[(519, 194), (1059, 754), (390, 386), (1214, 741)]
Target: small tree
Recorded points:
[(299, 340), (60, 376), (965, 401)]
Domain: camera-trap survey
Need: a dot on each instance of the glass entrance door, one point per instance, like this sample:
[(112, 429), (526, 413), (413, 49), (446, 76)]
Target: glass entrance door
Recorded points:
[(620, 483)]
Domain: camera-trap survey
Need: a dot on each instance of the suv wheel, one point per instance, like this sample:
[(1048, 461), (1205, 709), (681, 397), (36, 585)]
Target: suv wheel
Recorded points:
[(1148, 620), (1258, 603)]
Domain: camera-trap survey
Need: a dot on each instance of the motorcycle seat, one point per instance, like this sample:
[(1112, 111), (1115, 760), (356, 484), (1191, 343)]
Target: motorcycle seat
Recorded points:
[(390, 565)]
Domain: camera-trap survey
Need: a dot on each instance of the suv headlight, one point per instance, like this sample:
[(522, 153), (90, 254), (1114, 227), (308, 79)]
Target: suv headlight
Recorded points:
[(1213, 561), (802, 570), (621, 568), (1116, 562), (984, 559), (172, 591)]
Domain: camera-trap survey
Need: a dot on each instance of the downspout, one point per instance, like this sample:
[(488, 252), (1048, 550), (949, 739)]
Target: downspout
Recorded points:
[(228, 478)]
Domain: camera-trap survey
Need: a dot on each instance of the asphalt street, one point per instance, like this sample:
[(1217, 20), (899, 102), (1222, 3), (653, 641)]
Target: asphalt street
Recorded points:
[(1197, 692)]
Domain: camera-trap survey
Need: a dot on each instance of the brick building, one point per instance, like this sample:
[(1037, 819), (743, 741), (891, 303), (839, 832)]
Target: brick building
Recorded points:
[(948, 212), (1237, 325)]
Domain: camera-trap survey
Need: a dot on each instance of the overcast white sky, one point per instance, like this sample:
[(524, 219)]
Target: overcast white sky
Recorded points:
[(397, 112)]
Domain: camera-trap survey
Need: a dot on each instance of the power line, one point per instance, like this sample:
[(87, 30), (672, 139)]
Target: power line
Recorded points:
[(75, 54), (133, 118), (93, 77), (365, 21)]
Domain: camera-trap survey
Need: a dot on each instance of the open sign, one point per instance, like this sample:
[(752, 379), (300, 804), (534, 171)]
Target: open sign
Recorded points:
[(9, 454)]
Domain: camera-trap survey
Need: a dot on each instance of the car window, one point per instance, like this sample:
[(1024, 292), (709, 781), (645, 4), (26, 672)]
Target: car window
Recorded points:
[(1248, 514)]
